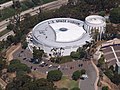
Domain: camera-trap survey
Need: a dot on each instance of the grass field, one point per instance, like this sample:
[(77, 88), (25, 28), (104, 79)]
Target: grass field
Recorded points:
[(66, 82), (65, 59)]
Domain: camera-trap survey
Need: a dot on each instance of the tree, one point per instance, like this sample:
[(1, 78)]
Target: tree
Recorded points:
[(116, 78), (18, 82), (76, 75), (115, 15), (109, 73), (75, 55), (37, 2), (83, 71), (18, 66), (75, 88), (10, 39), (37, 53), (2, 64), (27, 83), (24, 45), (16, 4), (105, 88), (54, 75), (15, 61), (10, 26), (101, 61)]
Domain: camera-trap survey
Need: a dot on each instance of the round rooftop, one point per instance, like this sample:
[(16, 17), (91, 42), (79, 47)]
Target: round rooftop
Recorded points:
[(60, 32), (95, 19)]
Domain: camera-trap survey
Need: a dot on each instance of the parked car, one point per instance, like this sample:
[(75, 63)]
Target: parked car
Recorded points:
[(24, 58), (50, 65), (85, 76)]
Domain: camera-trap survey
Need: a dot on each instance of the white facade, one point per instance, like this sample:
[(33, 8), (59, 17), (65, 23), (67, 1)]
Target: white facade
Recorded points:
[(57, 33), (66, 33), (95, 22)]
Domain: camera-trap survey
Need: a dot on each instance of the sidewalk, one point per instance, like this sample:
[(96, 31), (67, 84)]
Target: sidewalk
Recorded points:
[(2, 84)]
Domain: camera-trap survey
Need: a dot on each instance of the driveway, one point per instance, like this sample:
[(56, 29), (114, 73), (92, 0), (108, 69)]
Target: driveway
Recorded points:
[(88, 84)]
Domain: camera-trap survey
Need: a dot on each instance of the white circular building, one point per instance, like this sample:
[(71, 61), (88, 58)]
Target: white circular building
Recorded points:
[(63, 34), (95, 22)]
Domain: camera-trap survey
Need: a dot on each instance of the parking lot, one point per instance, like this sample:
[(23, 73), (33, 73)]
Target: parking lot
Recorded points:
[(25, 56)]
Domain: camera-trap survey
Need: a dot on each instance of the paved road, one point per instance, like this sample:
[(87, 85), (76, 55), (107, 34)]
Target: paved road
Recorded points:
[(65, 68), (88, 84), (33, 11), (7, 4)]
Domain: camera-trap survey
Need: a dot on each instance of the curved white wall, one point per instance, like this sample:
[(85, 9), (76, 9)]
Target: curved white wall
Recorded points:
[(95, 22)]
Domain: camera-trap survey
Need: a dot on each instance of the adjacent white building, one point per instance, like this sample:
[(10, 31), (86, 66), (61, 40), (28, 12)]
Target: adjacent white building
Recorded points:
[(95, 22), (65, 33)]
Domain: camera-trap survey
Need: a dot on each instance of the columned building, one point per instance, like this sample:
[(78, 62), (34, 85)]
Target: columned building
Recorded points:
[(95, 24), (66, 34)]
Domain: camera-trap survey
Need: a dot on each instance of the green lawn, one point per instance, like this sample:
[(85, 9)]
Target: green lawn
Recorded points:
[(66, 82), (65, 59)]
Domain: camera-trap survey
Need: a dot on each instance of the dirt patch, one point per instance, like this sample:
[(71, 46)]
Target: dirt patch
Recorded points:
[(66, 82), (37, 74), (106, 82), (11, 50)]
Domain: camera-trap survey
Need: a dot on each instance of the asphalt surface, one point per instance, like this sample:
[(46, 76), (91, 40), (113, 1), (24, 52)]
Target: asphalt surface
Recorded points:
[(86, 84), (7, 4)]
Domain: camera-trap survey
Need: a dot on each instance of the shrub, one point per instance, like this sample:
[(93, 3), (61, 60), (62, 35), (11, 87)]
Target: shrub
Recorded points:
[(75, 88), (54, 75), (76, 75)]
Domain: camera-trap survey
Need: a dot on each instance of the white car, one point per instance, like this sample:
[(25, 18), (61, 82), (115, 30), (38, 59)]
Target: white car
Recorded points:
[(50, 65), (46, 72), (42, 62), (85, 76)]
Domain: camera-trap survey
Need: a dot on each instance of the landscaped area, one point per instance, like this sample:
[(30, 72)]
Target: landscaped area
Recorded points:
[(66, 82), (22, 70)]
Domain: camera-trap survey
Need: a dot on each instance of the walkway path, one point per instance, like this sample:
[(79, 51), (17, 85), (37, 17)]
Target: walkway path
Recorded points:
[(2, 84), (114, 53), (97, 78), (34, 11), (7, 4), (13, 49)]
